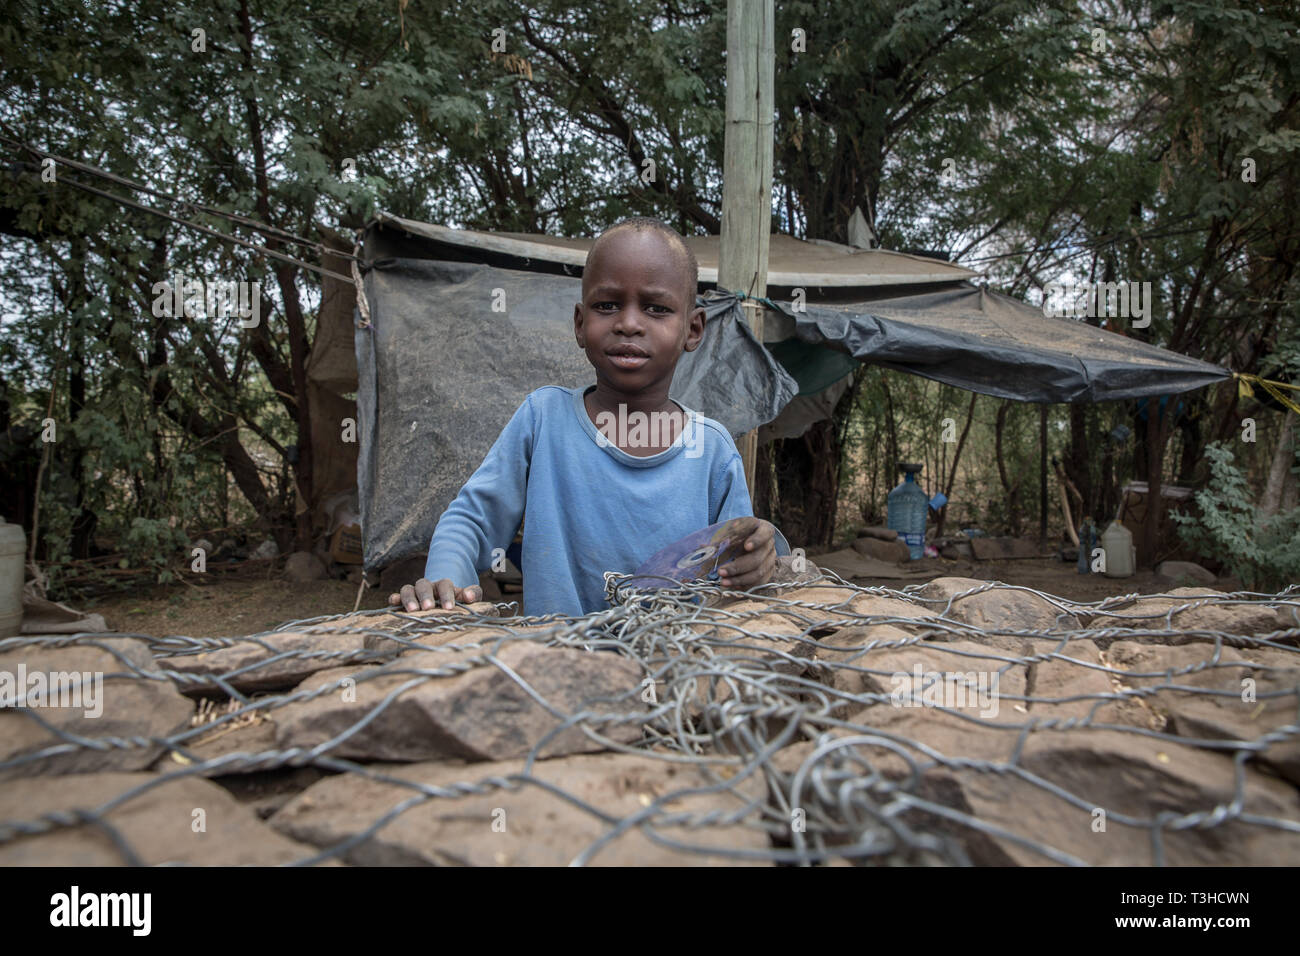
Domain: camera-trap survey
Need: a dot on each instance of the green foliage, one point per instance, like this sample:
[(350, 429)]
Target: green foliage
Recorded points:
[(1121, 161), (1264, 554), (153, 543)]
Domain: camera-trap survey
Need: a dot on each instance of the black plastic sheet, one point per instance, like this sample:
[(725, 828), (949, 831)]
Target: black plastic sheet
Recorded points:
[(978, 340)]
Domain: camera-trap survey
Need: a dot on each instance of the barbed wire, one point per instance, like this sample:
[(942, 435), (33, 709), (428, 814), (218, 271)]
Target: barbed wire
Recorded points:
[(800, 724)]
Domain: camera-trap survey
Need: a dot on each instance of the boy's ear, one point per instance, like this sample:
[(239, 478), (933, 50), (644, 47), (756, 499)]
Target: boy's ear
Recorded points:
[(694, 329), (577, 324)]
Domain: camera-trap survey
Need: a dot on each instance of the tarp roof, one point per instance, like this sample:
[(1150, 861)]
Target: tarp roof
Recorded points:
[(996, 345), (791, 262)]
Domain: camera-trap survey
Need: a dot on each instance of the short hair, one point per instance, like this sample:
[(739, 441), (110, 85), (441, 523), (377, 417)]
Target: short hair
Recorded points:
[(674, 239)]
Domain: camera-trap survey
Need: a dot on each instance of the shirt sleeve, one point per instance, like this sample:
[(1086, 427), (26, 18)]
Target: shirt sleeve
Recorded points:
[(732, 493), (486, 513)]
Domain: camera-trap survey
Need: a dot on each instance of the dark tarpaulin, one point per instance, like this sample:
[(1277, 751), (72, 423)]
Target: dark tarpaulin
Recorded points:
[(441, 373), (995, 345)]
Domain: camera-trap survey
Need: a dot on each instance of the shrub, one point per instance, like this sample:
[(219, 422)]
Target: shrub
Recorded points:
[(1265, 555)]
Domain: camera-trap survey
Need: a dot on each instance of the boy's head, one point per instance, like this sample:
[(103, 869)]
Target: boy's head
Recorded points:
[(638, 312)]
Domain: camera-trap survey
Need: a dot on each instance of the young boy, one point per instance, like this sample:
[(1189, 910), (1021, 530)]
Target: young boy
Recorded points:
[(596, 494)]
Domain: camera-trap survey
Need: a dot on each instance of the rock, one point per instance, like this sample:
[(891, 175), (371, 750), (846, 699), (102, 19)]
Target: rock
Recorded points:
[(999, 815), (955, 676), (882, 550), (275, 661), (158, 824), (1069, 686), (849, 564), (880, 534), (1191, 610), (531, 825), (479, 713), (877, 623), (1218, 703), (756, 636), (303, 566), (229, 550), (787, 577), (252, 731), (1288, 616), (267, 791), (816, 612), (453, 638), (132, 697), (873, 769), (1124, 775), (41, 616), (206, 545), (996, 608), (267, 549), (397, 631), (1182, 573), (838, 605)]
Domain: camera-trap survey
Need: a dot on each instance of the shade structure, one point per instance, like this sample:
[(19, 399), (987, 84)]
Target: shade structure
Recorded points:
[(464, 324), (979, 340)]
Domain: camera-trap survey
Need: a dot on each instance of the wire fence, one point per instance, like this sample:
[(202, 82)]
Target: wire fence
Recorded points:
[(820, 723)]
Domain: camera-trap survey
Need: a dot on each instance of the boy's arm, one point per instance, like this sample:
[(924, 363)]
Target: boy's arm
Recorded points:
[(733, 493), (758, 564), (486, 513)]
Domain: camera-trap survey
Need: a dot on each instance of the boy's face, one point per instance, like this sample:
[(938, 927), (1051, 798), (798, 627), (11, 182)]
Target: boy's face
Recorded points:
[(637, 315)]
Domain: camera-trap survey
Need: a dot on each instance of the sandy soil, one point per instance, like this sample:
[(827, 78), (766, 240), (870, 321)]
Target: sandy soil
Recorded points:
[(227, 607), (231, 606)]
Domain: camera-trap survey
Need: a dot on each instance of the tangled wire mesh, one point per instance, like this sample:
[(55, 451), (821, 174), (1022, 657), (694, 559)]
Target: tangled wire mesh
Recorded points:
[(792, 724)]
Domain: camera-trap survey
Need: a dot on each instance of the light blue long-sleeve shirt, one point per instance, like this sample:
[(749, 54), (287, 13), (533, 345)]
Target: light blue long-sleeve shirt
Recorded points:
[(589, 506)]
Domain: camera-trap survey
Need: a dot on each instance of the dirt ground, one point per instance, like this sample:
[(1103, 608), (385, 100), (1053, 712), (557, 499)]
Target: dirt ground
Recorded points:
[(226, 608), (237, 606)]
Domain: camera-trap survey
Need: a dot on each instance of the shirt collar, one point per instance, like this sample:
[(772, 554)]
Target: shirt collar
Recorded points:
[(649, 461)]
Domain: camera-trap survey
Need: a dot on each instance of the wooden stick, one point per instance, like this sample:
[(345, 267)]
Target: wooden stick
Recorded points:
[(1065, 502)]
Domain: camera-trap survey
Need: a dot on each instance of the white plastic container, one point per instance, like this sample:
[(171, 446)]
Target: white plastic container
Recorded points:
[(13, 558), (1121, 555)]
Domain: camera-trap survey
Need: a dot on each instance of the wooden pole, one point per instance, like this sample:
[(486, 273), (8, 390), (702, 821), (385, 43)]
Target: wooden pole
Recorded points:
[(1042, 475), (747, 169)]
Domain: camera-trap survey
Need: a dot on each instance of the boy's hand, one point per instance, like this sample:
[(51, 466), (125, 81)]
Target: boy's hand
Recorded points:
[(756, 565), (425, 594)]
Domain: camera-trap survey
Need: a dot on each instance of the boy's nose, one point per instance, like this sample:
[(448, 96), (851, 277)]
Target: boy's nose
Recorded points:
[(629, 320)]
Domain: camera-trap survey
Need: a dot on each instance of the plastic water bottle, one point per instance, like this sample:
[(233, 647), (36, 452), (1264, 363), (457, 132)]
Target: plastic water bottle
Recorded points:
[(1117, 542), (907, 506)]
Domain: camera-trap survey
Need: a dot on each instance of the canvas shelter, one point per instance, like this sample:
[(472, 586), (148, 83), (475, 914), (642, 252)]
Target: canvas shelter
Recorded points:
[(462, 325)]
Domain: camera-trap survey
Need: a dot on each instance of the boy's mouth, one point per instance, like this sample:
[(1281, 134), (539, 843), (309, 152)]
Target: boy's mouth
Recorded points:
[(628, 356)]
